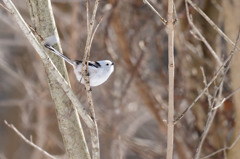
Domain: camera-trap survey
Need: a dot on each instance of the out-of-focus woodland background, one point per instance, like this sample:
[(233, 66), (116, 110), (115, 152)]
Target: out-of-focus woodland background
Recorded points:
[(131, 107)]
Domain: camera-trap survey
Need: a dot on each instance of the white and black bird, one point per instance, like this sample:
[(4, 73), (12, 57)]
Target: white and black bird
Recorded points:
[(98, 71)]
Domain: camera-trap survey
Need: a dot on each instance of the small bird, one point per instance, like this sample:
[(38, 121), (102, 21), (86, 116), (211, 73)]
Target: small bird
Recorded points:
[(98, 71)]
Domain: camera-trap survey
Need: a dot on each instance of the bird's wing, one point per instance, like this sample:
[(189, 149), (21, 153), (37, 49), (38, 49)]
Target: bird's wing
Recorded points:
[(94, 64), (90, 63), (92, 67)]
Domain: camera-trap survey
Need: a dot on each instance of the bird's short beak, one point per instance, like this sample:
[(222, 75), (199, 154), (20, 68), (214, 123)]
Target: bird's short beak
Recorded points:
[(112, 63)]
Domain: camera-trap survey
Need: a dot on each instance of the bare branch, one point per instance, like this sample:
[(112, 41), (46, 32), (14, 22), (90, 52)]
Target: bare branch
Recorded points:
[(212, 112), (94, 129), (40, 50), (205, 83), (154, 10), (171, 67), (195, 29), (94, 32), (28, 141), (214, 26), (211, 116), (223, 149), (87, 9), (226, 98), (73, 122), (210, 83), (5, 8)]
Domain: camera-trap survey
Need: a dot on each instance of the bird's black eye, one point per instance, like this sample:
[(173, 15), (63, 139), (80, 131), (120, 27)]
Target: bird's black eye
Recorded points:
[(107, 64)]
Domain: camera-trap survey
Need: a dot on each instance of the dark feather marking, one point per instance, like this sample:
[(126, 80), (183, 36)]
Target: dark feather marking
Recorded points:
[(49, 47), (97, 63), (78, 62), (89, 63)]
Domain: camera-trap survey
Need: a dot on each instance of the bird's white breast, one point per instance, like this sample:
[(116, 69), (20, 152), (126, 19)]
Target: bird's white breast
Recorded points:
[(96, 76)]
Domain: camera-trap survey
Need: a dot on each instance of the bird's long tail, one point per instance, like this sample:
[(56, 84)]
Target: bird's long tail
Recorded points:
[(48, 42)]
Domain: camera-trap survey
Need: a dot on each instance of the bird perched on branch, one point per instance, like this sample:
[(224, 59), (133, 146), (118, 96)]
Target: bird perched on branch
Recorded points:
[(98, 71)]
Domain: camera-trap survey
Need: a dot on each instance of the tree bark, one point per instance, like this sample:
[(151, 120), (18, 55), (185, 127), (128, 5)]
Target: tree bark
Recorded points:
[(68, 119)]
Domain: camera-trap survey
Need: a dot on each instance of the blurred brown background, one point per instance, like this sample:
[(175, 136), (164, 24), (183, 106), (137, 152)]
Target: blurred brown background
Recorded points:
[(131, 107)]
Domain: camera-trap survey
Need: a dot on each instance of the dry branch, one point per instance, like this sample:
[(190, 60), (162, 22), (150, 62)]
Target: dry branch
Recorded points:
[(155, 11), (70, 128), (50, 67), (171, 67), (91, 32), (202, 38), (226, 98), (223, 149), (212, 112), (205, 88), (11, 126), (214, 26)]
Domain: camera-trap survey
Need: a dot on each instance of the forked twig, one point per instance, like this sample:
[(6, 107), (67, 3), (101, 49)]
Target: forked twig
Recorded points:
[(200, 36), (223, 149), (205, 83), (211, 81), (94, 32), (226, 98), (11, 126), (212, 112)]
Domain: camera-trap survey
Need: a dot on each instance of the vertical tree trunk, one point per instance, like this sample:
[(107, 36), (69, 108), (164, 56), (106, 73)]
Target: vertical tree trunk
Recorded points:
[(68, 119)]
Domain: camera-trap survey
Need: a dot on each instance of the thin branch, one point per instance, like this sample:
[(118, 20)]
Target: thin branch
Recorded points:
[(226, 98), (11, 126), (154, 10), (212, 112), (40, 50), (73, 122), (87, 9), (86, 58), (175, 15), (211, 116), (5, 8), (223, 149), (89, 37), (94, 32), (210, 83), (214, 26), (205, 83), (195, 29), (76, 103), (171, 67), (94, 129)]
